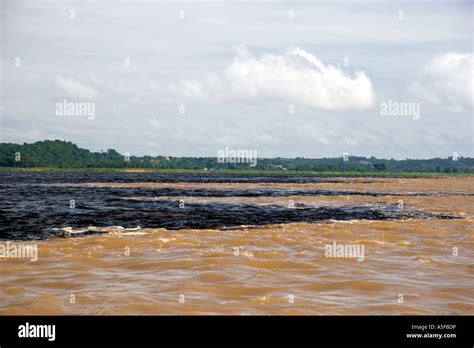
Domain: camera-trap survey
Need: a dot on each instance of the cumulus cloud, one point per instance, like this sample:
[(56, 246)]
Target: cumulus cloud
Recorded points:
[(210, 90), (75, 89), (295, 77), (447, 79)]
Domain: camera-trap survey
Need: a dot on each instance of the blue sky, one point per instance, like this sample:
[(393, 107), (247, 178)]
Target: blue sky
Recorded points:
[(238, 68)]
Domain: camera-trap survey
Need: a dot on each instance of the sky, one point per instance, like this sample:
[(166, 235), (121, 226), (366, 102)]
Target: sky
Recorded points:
[(287, 79)]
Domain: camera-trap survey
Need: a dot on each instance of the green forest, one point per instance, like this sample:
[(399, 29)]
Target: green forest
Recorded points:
[(62, 154)]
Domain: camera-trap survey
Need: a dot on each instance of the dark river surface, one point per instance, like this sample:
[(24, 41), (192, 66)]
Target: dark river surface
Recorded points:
[(36, 205)]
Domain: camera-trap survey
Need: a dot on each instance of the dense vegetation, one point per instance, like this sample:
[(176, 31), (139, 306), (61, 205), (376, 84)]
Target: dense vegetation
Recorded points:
[(61, 154)]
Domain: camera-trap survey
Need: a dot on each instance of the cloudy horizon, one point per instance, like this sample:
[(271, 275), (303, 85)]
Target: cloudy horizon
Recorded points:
[(304, 79)]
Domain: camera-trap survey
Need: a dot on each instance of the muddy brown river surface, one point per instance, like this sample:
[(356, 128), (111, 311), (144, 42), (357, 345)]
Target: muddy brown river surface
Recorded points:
[(150, 243)]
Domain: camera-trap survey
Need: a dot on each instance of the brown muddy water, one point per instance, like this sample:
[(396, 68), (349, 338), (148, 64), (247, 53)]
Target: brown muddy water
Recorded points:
[(175, 244)]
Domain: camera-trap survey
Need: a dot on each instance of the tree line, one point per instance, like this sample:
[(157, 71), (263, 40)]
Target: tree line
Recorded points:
[(62, 154)]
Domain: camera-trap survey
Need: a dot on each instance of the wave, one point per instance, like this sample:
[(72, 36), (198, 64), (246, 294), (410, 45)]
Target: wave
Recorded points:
[(70, 231)]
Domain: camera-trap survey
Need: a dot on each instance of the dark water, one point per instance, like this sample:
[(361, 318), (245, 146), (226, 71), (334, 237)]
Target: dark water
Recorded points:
[(128, 177), (33, 207)]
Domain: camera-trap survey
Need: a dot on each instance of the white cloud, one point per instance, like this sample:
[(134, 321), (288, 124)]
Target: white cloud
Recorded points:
[(75, 89), (188, 89), (155, 124), (447, 79), (296, 77), (211, 90)]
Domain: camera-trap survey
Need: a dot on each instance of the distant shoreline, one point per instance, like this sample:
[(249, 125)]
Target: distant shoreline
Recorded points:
[(62, 154), (239, 171)]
